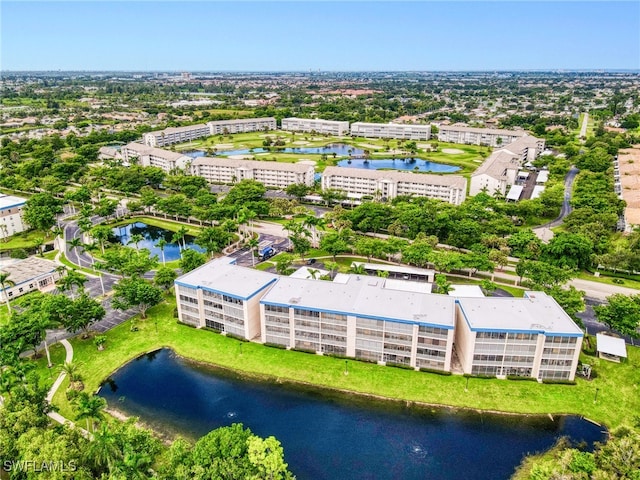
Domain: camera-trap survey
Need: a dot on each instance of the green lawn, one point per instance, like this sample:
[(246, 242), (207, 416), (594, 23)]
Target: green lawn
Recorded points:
[(618, 399), (28, 239), (167, 224), (609, 280)]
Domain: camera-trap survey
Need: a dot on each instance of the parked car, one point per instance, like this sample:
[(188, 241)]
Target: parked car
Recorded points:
[(311, 261)]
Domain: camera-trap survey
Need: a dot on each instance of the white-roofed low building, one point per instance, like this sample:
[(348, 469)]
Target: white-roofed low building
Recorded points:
[(30, 274), (610, 348), (309, 273), (330, 127), (543, 177), (514, 193), (531, 336), (404, 272), (537, 190), (391, 130)]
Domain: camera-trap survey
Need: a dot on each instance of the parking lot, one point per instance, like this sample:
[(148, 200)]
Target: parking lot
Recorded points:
[(243, 256)]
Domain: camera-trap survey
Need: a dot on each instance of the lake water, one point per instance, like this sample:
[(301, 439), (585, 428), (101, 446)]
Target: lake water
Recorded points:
[(326, 436), (151, 236), (340, 149), (416, 165)]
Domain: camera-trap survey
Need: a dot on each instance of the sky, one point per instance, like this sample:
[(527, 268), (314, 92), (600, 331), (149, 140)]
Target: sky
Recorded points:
[(323, 35)]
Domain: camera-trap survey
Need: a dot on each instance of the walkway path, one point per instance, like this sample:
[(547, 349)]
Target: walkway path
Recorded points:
[(544, 232), (585, 124), (56, 385)]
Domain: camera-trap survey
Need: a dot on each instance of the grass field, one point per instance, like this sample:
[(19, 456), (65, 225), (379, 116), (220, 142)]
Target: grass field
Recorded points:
[(618, 400), (28, 239), (470, 158), (167, 224)]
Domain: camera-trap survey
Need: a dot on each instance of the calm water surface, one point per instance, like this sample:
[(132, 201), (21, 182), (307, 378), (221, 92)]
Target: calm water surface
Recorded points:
[(417, 165), (335, 437), (340, 149), (151, 236)]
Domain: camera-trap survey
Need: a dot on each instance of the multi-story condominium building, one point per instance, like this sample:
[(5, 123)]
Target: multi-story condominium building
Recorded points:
[(496, 173), (500, 170), (390, 184), (478, 136), (154, 157), (384, 320), (225, 127), (391, 130), (30, 274), (271, 174), (361, 318), (11, 215), (330, 127), (224, 297), (531, 336), (171, 135)]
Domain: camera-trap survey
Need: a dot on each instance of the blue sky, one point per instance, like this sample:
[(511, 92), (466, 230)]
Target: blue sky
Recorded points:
[(356, 35)]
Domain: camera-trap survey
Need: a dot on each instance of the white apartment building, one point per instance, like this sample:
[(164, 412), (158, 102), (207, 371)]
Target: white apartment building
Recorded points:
[(11, 215), (330, 127), (226, 127), (171, 135), (391, 130), (154, 157), (361, 318), (390, 184), (531, 336), (271, 174), (496, 173), (224, 297), (388, 321), (492, 137)]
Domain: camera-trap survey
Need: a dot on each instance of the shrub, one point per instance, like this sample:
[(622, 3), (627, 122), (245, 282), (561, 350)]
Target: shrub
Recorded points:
[(553, 381), (433, 370), (399, 365), (237, 337), (275, 345), (518, 378), (304, 350), (618, 281)]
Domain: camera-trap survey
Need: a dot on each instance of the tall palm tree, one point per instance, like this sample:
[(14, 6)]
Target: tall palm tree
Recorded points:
[(4, 282), (313, 223), (253, 244), (74, 244), (357, 269), (136, 238), (71, 370), (90, 407), (161, 244), (71, 281), (180, 235), (104, 450)]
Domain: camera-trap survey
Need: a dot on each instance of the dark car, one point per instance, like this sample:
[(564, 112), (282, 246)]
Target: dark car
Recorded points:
[(311, 261)]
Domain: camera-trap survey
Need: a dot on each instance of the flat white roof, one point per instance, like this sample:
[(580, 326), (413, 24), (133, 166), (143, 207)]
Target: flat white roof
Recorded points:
[(537, 312), (407, 285), (472, 291), (523, 174), (8, 201), (28, 269), (396, 268), (363, 296), (515, 192), (611, 345), (543, 176), (303, 272), (222, 276), (537, 190)]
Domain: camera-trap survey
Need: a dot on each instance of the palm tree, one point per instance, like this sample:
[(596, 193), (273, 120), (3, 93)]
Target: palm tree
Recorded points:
[(313, 272), (383, 273), (4, 282), (179, 236), (357, 268), (104, 451), (313, 222), (74, 244), (161, 244), (90, 407), (136, 238), (71, 280), (332, 267), (71, 370), (253, 244)]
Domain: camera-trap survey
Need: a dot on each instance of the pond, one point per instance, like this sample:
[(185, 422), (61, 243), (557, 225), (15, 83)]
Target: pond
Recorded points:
[(329, 436), (414, 165), (151, 236), (340, 149)]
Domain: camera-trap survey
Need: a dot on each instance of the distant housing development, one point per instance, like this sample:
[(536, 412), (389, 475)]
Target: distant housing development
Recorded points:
[(171, 135), (11, 215), (388, 321), (271, 174), (154, 157), (391, 130), (389, 184), (329, 127)]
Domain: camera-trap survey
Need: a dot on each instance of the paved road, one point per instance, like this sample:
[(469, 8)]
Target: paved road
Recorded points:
[(585, 124), (544, 232)]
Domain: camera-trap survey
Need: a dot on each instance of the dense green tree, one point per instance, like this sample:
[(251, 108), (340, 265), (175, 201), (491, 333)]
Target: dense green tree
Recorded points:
[(334, 244), (82, 313), (40, 211), (136, 293), (191, 259), (297, 190), (213, 239), (621, 313), (542, 275), (164, 277), (568, 249)]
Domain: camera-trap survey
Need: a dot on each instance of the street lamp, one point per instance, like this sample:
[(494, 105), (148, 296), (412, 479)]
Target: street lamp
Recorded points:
[(595, 397), (466, 388), (346, 367)]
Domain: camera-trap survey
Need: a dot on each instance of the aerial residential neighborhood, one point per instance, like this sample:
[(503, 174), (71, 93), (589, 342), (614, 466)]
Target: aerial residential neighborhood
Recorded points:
[(294, 257)]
